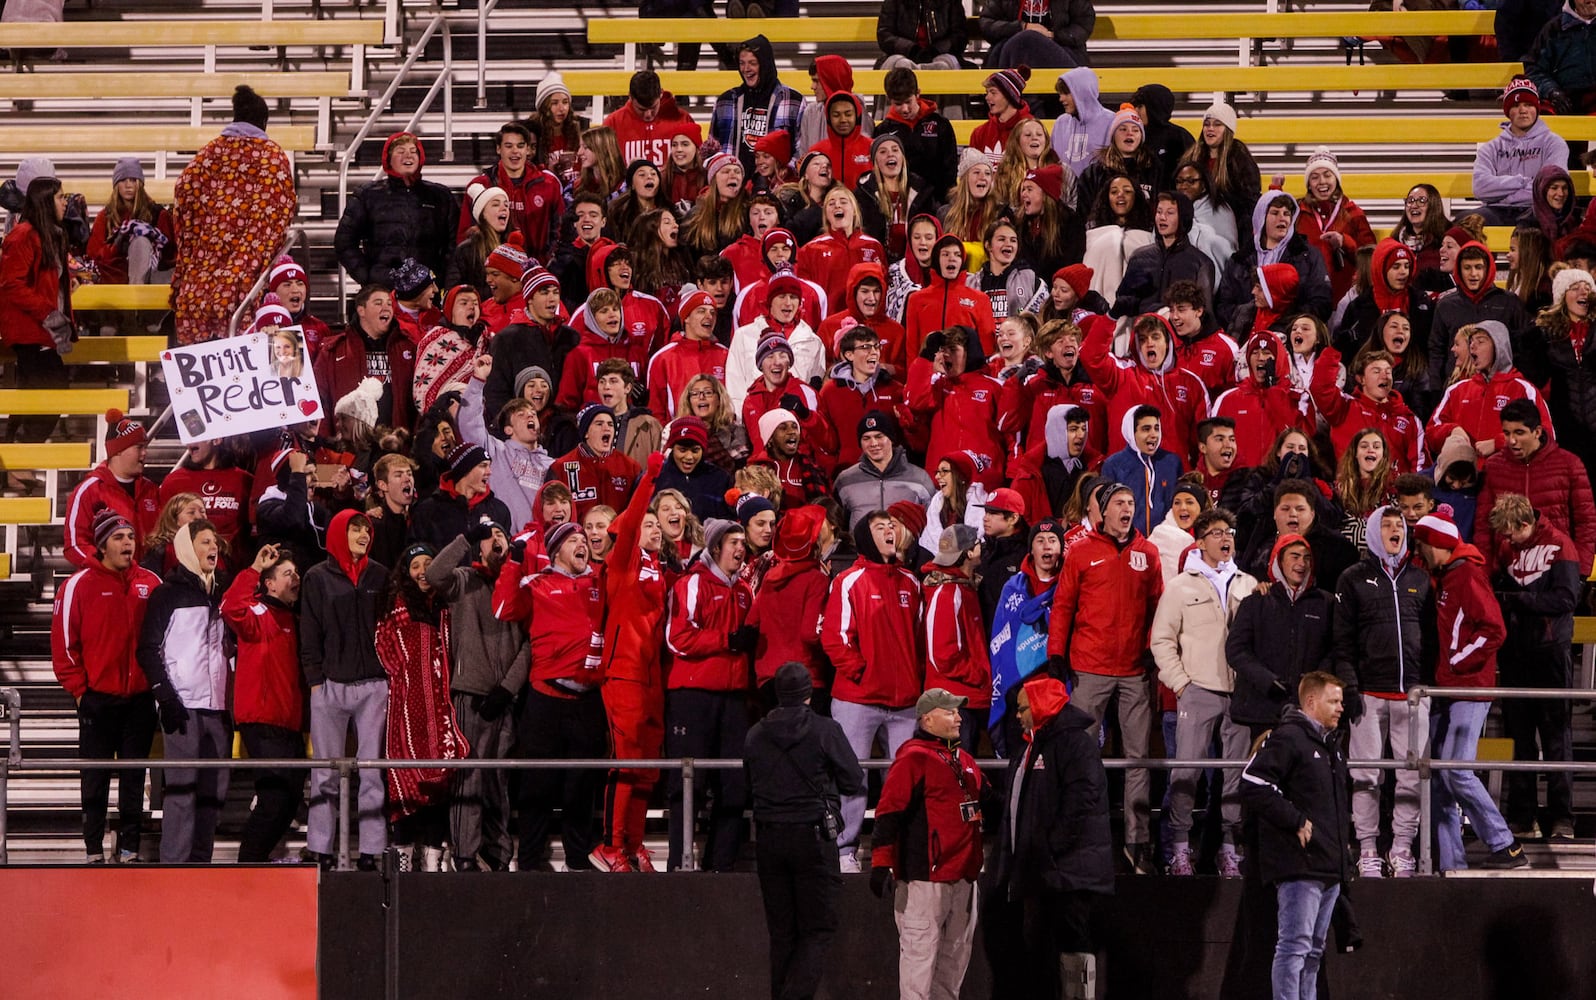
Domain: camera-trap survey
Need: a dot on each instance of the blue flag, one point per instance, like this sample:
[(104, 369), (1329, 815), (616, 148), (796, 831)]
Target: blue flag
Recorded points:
[(1019, 638)]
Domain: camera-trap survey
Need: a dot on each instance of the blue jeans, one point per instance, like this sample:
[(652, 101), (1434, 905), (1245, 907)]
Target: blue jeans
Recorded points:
[(1305, 908), (860, 724), (1457, 734)]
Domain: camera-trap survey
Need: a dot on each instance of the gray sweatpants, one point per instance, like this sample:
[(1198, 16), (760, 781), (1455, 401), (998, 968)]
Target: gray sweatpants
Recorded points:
[(334, 706), (481, 799), (936, 930), (1091, 695), (1200, 713), (1384, 719), (192, 799)]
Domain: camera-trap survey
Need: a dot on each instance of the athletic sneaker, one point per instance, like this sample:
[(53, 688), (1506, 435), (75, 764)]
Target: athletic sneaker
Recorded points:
[(1181, 862), (1563, 829), (132, 857), (849, 864), (407, 858), (610, 859), (1229, 862), (1511, 856), (1370, 864), (1402, 863), (1528, 831), (644, 861)]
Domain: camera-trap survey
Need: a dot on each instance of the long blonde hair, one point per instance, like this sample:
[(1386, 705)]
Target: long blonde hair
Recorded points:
[(968, 215), (144, 210), (605, 175), (724, 416), (1013, 168)]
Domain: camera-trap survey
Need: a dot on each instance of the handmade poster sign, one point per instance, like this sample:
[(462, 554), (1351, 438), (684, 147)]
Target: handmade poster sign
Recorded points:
[(261, 381)]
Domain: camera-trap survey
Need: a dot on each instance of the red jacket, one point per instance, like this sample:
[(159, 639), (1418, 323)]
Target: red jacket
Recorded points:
[(225, 492), (1261, 412), (955, 638), (100, 489), (827, 259), (594, 480), (747, 256), (1212, 358), (705, 611), (941, 304), (844, 403), (790, 611), (1343, 216), (920, 832), (675, 365), (888, 330), (872, 634), (651, 141), (1179, 395), (563, 615), (536, 207), (579, 376), (28, 292), (849, 154), (496, 316), (341, 366), (1469, 622), (1023, 406), (1025, 477), (268, 686), (1103, 604), (750, 303), (1558, 488), (94, 631), (962, 413), (817, 438), (1475, 404), (993, 134), (634, 593), (645, 325), (1347, 414)]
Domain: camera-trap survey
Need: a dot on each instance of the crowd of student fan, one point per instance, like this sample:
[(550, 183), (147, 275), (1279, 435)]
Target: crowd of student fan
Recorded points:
[(1052, 410)]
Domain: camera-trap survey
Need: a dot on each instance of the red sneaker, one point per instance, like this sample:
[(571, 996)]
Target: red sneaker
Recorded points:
[(644, 860), (610, 859)]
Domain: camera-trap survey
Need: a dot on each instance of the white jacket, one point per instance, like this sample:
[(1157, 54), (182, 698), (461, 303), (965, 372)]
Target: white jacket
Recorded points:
[(808, 358)]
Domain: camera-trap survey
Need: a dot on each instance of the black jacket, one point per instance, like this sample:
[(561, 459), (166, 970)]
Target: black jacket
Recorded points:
[(1332, 554), (389, 220), (1272, 642), (1455, 311), (1151, 270), (288, 516), (1000, 559), (1165, 139), (799, 764), (1058, 839), (1384, 632), (1363, 316), (338, 624), (1072, 22), (921, 201), (930, 145), (898, 29), (1571, 387), (438, 518), (1299, 775)]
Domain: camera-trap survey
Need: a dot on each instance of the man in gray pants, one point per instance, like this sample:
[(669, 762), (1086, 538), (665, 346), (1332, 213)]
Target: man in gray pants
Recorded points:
[(490, 668), (338, 651)]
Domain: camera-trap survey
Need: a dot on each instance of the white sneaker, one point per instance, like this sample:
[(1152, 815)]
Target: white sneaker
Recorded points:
[(1229, 862), (1402, 863), (1180, 862), (1370, 864), (849, 863)]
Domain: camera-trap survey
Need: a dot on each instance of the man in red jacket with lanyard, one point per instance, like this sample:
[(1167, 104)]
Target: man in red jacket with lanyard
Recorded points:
[(1097, 639), (562, 607), (93, 634)]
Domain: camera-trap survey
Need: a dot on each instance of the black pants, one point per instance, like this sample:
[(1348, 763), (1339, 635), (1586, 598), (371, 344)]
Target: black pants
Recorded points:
[(799, 882), (553, 728), (1548, 722), (1023, 939), (108, 728), (37, 368), (708, 724), (278, 791)]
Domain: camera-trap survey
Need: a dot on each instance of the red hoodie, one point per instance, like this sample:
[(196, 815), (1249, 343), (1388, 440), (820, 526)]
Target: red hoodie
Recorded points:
[(536, 207), (645, 322), (790, 607), (849, 154), (268, 686), (872, 634), (1387, 252), (844, 403), (1261, 412), (94, 632), (1469, 621), (1023, 407), (651, 140), (705, 610), (992, 135), (1179, 395), (943, 303), (634, 593), (888, 330), (747, 257), (1348, 414), (1475, 403)]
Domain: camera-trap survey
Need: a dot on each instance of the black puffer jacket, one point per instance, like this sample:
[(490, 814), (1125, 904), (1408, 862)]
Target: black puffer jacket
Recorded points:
[(1274, 640), (1571, 396), (1299, 775), (898, 28), (1151, 270), (1384, 633), (389, 220), (337, 616)]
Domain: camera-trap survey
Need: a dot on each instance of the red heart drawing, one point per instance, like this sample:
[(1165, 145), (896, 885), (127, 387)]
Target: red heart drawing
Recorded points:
[(307, 406), (166, 355)]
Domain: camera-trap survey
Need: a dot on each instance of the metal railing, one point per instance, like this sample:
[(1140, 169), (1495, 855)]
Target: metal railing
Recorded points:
[(1421, 762)]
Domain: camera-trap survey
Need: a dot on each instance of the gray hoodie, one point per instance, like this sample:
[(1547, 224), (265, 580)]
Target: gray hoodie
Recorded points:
[(863, 488), (1078, 137), (1505, 167)]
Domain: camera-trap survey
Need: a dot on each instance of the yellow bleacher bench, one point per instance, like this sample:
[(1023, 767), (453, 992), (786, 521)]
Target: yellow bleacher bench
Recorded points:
[(5, 565), (1341, 132), (1585, 630), (153, 86), (26, 140), (44, 456), (1374, 186), (45, 402), (119, 34), (24, 510), (109, 351), (1110, 27), (151, 297), (1121, 80)]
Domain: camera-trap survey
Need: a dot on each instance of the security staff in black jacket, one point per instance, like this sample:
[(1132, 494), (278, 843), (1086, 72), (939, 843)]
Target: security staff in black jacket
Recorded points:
[(1298, 787), (799, 765), (1054, 856)]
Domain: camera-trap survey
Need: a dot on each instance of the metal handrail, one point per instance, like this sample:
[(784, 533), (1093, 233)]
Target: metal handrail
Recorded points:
[(295, 235), (484, 8)]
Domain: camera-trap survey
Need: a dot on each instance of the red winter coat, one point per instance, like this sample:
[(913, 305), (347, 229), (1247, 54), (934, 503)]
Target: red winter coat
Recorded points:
[(993, 134), (651, 141), (750, 303), (675, 365), (816, 437), (1179, 395), (536, 207), (888, 330), (1469, 622), (872, 634), (747, 257), (111, 259), (94, 631), (268, 686), (1261, 412), (826, 260), (1023, 406), (1475, 404), (920, 832), (1103, 604), (1558, 487), (1025, 477), (955, 638), (941, 304), (341, 366), (634, 596), (1349, 413), (705, 611), (562, 615), (29, 292), (1343, 216), (100, 489), (962, 414), (579, 377), (790, 612)]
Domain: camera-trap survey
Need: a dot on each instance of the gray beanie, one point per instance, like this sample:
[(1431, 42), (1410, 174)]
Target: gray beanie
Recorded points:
[(128, 168), (32, 169), (529, 373)]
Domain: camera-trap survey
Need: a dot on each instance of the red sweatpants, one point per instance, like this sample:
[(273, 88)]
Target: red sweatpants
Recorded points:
[(637, 730)]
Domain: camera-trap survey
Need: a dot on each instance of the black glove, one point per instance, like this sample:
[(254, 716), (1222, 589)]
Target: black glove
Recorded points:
[(1059, 666), (881, 881), (1352, 706), (174, 717), (1560, 102), (933, 343), (794, 402), (637, 395), (517, 552), (1029, 367), (494, 703), (742, 639)]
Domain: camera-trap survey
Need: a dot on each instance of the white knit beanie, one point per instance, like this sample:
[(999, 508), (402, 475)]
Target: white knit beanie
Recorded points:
[(361, 402), (1568, 278), (480, 194), (1323, 157), (1223, 113), (550, 85)]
